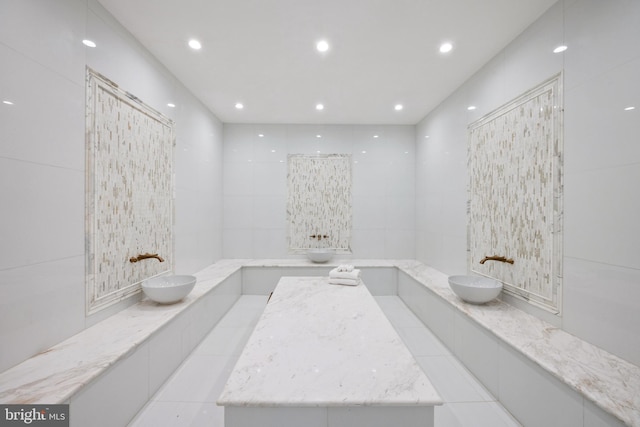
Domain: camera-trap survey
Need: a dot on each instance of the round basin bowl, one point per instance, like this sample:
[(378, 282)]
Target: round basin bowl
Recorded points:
[(168, 289), (475, 289), (320, 255)]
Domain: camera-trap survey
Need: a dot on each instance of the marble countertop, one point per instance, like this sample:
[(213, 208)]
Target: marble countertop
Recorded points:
[(54, 375), (611, 383), (321, 345)]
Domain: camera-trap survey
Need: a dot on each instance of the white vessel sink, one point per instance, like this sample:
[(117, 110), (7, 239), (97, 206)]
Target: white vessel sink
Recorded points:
[(475, 289), (168, 289), (320, 255)]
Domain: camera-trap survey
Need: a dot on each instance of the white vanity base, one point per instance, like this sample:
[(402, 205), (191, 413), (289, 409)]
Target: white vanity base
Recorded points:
[(335, 416), (326, 355)]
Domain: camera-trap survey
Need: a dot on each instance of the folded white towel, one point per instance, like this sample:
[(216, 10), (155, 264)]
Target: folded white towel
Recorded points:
[(345, 267), (348, 282), (353, 274)]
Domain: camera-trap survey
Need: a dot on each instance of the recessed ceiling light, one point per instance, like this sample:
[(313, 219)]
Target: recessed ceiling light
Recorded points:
[(322, 46), (88, 43), (319, 107), (195, 44), (629, 108), (239, 106), (171, 105), (318, 136), (559, 49), (364, 151), (471, 107), (375, 136), (426, 136), (398, 107), (446, 47), (7, 102), (261, 135)]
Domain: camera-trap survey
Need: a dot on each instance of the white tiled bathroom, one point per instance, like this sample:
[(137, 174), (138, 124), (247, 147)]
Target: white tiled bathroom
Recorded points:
[(409, 202)]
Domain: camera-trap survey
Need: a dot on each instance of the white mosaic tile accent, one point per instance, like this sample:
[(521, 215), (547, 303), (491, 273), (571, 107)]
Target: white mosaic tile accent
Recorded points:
[(319, 202), (515, 195), (129, 192)]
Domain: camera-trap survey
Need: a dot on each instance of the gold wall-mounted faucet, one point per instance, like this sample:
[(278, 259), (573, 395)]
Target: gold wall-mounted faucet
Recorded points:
[(496, 258), (145, 256), (319, 236)]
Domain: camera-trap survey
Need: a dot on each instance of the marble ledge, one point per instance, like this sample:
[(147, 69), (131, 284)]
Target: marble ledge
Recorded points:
[(58, 373), (55, 375), (304, 262), (611, 383)]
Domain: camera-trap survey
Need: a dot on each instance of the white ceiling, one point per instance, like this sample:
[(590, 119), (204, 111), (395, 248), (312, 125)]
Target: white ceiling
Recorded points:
[(383, 52)]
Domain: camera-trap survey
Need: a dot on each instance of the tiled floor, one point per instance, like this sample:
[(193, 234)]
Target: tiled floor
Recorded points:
[(188, 397)]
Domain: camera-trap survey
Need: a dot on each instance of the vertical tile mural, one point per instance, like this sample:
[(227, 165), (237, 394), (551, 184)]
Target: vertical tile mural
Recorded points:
[(319, 202), (129, 200), (515, 195)]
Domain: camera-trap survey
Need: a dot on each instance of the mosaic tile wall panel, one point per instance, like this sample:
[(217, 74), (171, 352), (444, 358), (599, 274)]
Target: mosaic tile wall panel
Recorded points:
[(129, 192), (319, 202), (515, 195)]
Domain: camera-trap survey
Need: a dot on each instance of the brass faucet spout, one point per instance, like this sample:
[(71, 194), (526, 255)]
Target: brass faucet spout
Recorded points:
[(145, 256), (496, 258), (319, 236)]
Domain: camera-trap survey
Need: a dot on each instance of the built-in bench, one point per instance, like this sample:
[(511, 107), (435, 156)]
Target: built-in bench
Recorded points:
[(541, 374), (107, 372), (327, 355)]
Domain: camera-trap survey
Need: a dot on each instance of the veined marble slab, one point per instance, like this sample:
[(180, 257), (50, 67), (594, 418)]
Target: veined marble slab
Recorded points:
[(611, 383), (325, 345), (55, 375)]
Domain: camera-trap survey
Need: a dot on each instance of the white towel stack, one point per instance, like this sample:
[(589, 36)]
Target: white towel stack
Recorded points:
[(344, 275)]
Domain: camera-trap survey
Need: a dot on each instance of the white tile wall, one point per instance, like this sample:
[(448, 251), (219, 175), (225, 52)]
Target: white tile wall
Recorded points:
[(44, 102), (377, 416), (44, 204), (275, 417), (47, 33), (476, 414), (478, 350), (525, 388), (454, 383), (601, 302), (595, 417), (166, 352), (112, 399), (601, 37), (40, 305), (255, 186), (263, 280), (42, 163), (602, 162)]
